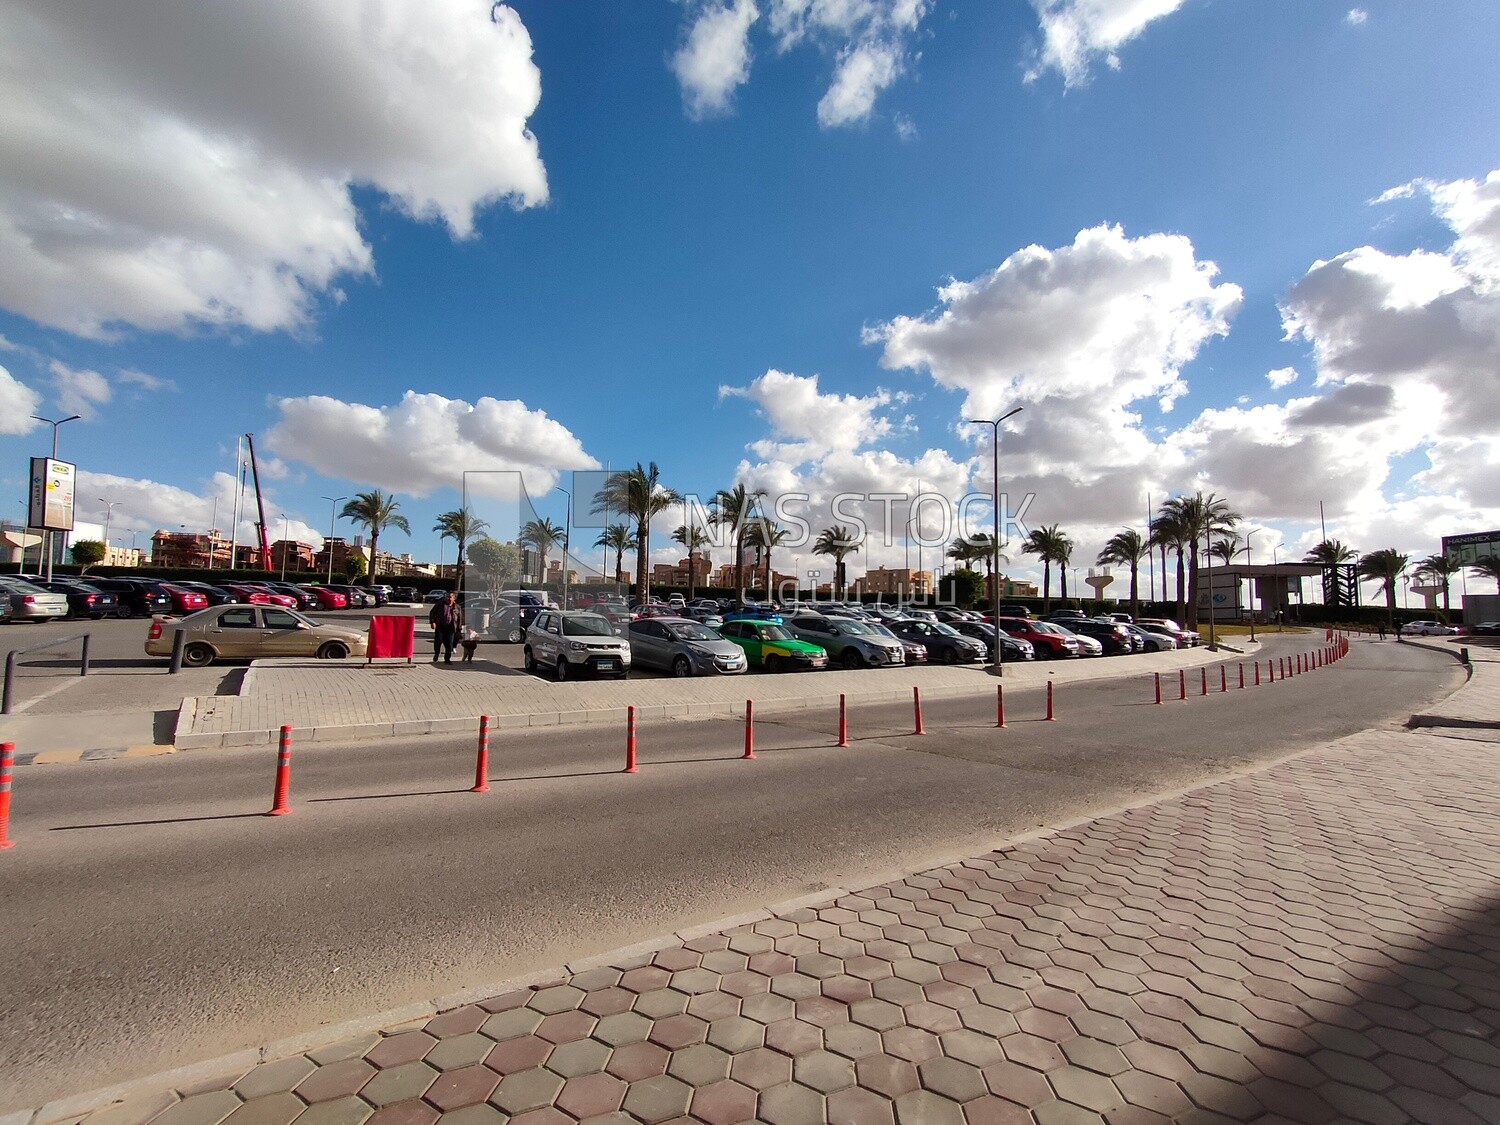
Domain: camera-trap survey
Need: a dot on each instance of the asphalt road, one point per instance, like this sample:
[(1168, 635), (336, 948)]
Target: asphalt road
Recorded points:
[(152, 917)]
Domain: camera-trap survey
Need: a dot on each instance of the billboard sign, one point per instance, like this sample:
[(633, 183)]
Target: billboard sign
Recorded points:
[(1222, 599), (1466, 550), (51, 503)]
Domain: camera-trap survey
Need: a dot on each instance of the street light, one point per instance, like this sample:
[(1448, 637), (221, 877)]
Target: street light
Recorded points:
[(283, 546), (46, 532), (995, 546), (567, 537), (109, 510), (333, 520), (1249, 536)]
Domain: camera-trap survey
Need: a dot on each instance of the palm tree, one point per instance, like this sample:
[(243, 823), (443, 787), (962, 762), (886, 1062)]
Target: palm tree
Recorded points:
[(1439, 567), (1063, 557), (639, 493), (837, 541), (1126, 548), (543, 535), (616, 538), (1331, 552), (1226, 548), (375, 511), (1488, 567), (460, 525), (1199, 517), (693, 538), (1047, 544), (1386, 567), (735, 507), (766, 535), (1167, 533), (974, 548)]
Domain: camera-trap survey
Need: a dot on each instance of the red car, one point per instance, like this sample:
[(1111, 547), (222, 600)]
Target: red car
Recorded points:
[(1049, 641), (185, 601), (327, 599), (256, 596)]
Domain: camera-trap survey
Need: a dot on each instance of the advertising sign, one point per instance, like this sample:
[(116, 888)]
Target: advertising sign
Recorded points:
[(51, 505), (1222, 601), (1466, 550)]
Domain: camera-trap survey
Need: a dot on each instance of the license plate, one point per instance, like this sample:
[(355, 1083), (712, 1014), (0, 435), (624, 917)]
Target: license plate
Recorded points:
[(607, 664)]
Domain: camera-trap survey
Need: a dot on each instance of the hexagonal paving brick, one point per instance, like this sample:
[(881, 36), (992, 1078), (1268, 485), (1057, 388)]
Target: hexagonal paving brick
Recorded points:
[(511, 1024), (724, 1103), (1103, 1058), (351, 1048), (460, 1051), (515, 1055), (699, 1065), (627, 1027), (459, 1021), (274, 1077), (657, 1099), (796, 986), (791, 1104), (405, 1113), (481, 1114), (677, 1032), (793, 1037), (694, 981), (767, 1008), (852, 1040), (923, 1107), (591, 1095), (824, 1071), (559, 998), (895, 990), (608, 1001), (661, 1003), (761, 1068), (565, 1027), (876, 1014), (339, 1111), (912, 1044), (637, 1061), (399, 1084), (953, 1079), (712, 1006), (337, 1080), (858, 1106), (736, 1034), (1085, 1088), (455, 1089), (526, 1089), (725, 961), (573, 1060), (272, 1109), (646, 979), (398, 1050), (886, 1074)]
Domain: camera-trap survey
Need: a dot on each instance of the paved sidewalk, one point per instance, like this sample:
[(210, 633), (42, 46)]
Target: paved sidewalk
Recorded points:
[(1317, 942)]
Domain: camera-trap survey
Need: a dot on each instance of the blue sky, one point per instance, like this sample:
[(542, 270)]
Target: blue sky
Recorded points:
[(345, 235)]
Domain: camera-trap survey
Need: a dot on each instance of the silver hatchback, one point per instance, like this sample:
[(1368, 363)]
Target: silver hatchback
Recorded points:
[(684, 648), (850, 643), (32, 603)]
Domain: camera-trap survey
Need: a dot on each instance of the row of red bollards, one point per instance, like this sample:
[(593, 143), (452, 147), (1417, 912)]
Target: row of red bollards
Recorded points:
[(1281, 668)]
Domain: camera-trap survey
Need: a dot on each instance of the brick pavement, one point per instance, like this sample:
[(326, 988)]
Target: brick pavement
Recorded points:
[(1316, 942)]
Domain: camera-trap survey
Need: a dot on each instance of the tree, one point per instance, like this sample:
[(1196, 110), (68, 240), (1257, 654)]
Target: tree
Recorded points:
[(766, 535), (1331, 552), (1442, 570), (1225, 549), (87, 553), (354, 565), (543, 535), (1488, 567), (1126, 547), (616, 538), (837, 542), (1198, 518), (693, 538), (638, 493), (1167, 534), (965, 585), (979, 547), (496, 563), (735, 508), (1050, 545), (375, 511), (460, 525), (1386, 567)]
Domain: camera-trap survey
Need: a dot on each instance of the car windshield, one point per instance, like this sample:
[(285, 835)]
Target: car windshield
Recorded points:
[(852, 628), (1048, 627), (587, 625), (20, 586), (882, 631), (773, 633), (982, 628), (693, 632), (946, 630)]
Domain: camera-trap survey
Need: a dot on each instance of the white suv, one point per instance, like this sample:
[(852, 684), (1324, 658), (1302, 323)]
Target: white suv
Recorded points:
[(573, 644)]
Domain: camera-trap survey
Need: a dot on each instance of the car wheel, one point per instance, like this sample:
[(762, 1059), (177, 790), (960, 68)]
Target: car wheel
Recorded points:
[(198, 655), (774, 664), (852, 660), (682, 667), (950, 655), (332, 650), (530, 661), (125, 611), (513, 635), (562, 670)]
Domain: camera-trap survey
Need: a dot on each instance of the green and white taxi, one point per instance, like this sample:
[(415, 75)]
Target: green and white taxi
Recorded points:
[(773, 647)]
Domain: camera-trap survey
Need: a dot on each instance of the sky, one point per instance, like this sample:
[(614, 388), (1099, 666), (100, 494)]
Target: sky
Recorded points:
[(1251, 249)]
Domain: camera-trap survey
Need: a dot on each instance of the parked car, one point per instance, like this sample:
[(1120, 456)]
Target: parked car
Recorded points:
[(515, 611), (1486, 629), (1152, 642), (29, 602), (216, 595), (326, 597), (1185, 638), (1428, 629), (135, 597), (83, 600), (575, 643), (750, 611), (185, 600), (7, 615), (943, 642), (1049, 641), (849, 642), (684, 647), (306, 599), (914, 652), (1011, 609), (771, 645), (1114, 638), (1011, 648), (355, 597), (251, 632), (1087, 645), (255, 593), (406, 594)]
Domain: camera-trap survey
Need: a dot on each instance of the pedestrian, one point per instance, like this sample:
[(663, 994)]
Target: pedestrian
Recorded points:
[(1380, 629), (447, 621), (1398, 629)]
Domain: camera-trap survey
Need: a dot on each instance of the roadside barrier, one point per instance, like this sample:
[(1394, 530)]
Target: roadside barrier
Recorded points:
[(1257, 673), (1000, 702), (279, 804), (7, 690), (630, 766), (749, 754), (482, 758), (843, 719), (7, 763), (1050, 716), (1242, 675), (1181, 683), (1223, 679), (1158, 686), (916, 703), (1205, 681)]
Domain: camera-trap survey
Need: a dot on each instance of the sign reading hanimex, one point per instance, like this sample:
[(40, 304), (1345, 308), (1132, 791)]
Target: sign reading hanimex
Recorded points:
[(51, 506), (1468, 549)]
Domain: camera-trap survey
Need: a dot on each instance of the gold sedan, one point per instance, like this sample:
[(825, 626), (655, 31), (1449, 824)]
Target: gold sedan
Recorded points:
[(248, 632)]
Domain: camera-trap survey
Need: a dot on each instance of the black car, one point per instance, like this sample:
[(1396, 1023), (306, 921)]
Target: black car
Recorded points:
[(306, 599), (1487, 629), (405, 594), (944, 644), (216, 595), (135, 597), (1115, 638), (513, 614), (84, 599), (1011, 648)]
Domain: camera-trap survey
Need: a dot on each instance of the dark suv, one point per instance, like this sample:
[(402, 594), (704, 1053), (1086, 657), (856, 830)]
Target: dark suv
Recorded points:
[(135, 597), (1115, 638), (513, 614)]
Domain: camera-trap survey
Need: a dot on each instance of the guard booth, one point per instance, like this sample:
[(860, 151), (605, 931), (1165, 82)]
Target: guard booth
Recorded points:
[(1273, 587)]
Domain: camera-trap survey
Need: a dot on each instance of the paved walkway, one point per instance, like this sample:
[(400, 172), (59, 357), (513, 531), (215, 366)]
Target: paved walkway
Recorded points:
[(1316, 942)]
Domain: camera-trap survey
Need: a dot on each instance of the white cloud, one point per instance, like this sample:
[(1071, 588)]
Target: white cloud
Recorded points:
[(425, 441), (18, 403), (714, 60), (1076, 33), (154, 173), (1356, 16), (808, 424), (863, 72), (146, 382), (79, 392), (1282, 377), (146, 506)]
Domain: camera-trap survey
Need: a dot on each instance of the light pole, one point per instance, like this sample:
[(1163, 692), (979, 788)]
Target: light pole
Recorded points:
[(283, 545), (995, 546), (46, 532), (333, 519), (109, 510), (1249, 536), (567, 537)]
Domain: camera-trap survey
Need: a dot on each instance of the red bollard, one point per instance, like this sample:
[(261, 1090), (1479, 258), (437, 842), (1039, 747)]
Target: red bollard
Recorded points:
[(1257, 673), (482, 759), (749, 754), (1181, 683), (7, 763), (916, 704), (1050, 716), (1158, 687), (630, 766), (1223, 678), (843, 720), (1000, 705), (1205, 681), (1242, 673), (279, 806)]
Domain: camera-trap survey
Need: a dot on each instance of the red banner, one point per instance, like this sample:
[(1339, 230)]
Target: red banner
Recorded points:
[(392, 637)]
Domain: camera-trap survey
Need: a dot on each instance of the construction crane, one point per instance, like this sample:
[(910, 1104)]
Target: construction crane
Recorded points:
[(260, 507)]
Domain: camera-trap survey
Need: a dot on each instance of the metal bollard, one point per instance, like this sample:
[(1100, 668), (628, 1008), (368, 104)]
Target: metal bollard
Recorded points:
[(1242, 674), (1000, 705), (179, 642), (1158, 686), (1181, 683), (916, 703), (843, 720), (1050, 717), (1204, 691), (10, 683), (83, 662), (1223, 678), (749, 754)]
